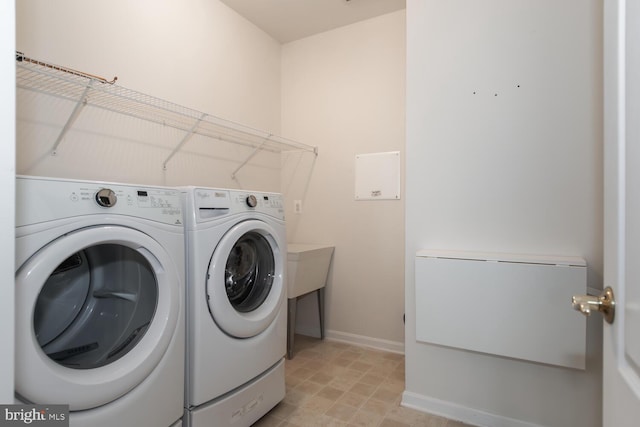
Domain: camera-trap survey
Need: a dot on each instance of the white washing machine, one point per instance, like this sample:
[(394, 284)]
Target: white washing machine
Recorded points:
[(100, 301), (236, 311)]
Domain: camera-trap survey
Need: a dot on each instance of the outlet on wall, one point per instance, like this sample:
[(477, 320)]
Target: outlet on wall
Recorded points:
[(297, 206)]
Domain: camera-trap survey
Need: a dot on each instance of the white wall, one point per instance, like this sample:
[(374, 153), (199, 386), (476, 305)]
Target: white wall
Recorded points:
[(343, 90), (197, 53), (7, 179), (504, 153)]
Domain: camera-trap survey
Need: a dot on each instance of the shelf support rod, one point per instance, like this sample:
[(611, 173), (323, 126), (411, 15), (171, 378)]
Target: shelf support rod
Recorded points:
[(253, 153), (186, 138), (82, 102)]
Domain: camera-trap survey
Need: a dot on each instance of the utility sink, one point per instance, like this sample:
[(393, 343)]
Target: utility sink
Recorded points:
[(307, 270)]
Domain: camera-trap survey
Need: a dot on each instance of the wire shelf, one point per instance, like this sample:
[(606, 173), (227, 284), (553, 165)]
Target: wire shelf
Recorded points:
[(85, 89)]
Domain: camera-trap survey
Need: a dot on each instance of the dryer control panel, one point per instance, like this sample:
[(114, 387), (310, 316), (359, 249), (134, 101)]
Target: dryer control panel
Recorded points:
[(50, 198)]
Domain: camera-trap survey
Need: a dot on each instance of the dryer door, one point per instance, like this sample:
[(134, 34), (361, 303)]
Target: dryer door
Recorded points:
[(245, 284), (95, 312)]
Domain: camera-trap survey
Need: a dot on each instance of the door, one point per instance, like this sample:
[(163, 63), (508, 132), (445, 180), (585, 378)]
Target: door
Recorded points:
[(621, 339), (245, 281), (96, 310)]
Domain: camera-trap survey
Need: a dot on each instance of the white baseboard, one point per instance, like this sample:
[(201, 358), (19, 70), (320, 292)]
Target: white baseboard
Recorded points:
[(360, 340), (364, 341), (459, 413)]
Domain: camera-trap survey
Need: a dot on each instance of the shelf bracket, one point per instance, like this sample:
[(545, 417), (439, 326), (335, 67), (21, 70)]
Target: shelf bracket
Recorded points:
[(82, 102), (186, 138), (253, 153)]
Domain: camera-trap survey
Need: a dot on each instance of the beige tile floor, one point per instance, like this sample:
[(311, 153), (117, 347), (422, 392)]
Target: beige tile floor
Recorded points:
[(333, 384)]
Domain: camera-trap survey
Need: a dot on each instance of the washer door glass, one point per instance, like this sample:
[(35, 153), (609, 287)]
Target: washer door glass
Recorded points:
[(108, 288), (245, 282), (249, 272), (96, 311)]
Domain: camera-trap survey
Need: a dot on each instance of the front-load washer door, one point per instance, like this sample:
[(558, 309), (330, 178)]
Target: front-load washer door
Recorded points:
[(245, 281), (96, 310)]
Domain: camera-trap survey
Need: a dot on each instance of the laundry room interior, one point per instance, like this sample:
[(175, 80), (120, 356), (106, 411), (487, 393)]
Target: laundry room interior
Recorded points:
[(494, 108)]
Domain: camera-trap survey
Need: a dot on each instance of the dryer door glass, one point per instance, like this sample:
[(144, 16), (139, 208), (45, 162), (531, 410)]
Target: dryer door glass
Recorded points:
[(249, 272), (95, 306)]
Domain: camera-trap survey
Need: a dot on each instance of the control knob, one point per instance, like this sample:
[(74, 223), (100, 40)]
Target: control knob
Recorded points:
[(252, 202), (106, 198)]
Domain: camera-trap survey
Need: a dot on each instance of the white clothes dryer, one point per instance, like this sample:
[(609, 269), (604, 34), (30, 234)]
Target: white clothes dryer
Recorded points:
[(100, 301), (236, 311)]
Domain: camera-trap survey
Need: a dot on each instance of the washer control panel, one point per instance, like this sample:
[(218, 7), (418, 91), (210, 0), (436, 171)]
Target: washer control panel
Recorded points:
[(212, 203), (253, 201)]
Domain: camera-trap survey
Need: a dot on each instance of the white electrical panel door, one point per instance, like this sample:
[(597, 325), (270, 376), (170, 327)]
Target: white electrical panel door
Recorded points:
[(377, 176)]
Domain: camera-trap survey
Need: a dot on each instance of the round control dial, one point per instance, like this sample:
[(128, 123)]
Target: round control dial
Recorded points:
[(252, 201), (106, 198)]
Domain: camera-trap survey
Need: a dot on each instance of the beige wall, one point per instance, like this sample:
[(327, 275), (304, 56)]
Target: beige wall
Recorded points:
[(7, 178), (196, 53), (343, 91)]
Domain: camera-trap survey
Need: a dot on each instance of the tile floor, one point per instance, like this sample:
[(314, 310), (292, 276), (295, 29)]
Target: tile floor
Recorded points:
[(333, 384)]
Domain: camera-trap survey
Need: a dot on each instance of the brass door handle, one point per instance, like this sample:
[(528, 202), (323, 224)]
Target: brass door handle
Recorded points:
[(604, 303)]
